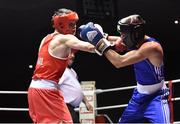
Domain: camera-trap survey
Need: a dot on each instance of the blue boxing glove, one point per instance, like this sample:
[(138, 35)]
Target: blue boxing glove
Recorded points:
[(92, 34), (105, 35)]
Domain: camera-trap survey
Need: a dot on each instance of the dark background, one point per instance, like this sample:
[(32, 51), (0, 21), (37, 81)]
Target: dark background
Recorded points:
[(24, 23)]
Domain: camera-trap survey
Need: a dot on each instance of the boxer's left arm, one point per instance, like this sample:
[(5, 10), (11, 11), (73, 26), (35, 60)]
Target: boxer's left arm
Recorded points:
[(71, 41), (116, 41)]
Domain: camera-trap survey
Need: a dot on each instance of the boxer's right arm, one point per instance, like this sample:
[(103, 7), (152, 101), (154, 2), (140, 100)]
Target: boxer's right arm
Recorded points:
[(95, 36)]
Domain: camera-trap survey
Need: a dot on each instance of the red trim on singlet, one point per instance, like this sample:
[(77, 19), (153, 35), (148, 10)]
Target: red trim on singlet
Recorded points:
[(47, 66), (171, 104)]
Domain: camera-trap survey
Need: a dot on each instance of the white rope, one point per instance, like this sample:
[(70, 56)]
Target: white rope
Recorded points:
[(100, 108), (121, 106), (77, 109), (126, 88), (125, 105), (13, 92), (175, 99), (176, 122), (173, 81), (14, 109), (111, 107), (96, 91), (107, 117), (114, 89)]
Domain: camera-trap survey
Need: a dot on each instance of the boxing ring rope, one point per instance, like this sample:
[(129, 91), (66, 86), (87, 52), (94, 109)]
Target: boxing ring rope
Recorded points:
[(127, 88), (14, 109), (99, 108), (98, 91), (13, 92)]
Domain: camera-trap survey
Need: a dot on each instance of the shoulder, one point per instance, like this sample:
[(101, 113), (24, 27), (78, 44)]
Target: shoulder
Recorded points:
[(151, 46), (153, 51), (64, 37)]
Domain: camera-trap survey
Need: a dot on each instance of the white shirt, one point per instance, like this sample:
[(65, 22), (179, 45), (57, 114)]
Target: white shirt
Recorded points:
[(71, 88)]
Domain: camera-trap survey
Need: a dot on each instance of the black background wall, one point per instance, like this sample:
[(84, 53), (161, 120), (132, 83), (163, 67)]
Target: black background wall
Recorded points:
[(24, 23)]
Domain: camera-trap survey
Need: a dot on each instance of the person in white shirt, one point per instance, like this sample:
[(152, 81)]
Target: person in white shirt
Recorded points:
[(71, 90)]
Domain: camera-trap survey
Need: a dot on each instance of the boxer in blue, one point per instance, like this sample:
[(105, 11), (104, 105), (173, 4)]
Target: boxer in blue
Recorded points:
[(149, 101)]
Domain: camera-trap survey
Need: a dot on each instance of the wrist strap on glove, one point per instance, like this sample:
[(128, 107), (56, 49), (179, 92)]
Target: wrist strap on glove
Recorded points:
[(105, 35), (102, 46)]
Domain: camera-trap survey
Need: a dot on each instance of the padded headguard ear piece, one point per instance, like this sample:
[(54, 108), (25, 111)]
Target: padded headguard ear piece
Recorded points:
[(133, 29)]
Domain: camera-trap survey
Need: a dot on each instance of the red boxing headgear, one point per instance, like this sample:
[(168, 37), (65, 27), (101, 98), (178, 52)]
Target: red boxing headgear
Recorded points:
[(64, 19)]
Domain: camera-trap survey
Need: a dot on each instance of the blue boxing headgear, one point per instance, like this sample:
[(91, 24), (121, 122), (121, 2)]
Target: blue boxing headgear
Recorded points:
[(132, 30)]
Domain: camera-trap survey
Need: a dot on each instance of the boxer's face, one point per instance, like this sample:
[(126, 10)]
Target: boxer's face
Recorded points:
[(68, 28)]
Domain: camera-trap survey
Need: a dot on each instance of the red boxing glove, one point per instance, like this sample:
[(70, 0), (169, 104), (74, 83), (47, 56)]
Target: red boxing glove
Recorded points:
[(119, 46)]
